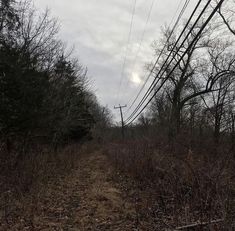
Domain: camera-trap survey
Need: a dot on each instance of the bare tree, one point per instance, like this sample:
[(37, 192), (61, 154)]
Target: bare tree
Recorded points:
[(38, 35), (226, 12), (221, 60), (183, 84)]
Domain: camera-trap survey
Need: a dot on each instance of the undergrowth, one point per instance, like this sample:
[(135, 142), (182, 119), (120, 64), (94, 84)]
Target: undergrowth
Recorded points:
[(176, 186)]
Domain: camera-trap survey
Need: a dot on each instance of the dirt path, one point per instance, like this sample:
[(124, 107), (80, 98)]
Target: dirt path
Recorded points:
[(87, 199), (102, 205)]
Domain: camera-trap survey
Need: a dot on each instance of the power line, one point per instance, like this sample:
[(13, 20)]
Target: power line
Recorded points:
[(140, 45), (127, 48), (143, 34), (190, 46), (141, 39), (154, 83), (156, 62)]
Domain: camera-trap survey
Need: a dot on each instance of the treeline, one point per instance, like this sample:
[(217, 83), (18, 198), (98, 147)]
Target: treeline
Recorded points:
[(44, 93), (197, 102)]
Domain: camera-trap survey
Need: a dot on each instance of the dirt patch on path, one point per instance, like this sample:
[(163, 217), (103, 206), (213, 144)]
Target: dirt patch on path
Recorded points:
[(87, 199), (102, 204)]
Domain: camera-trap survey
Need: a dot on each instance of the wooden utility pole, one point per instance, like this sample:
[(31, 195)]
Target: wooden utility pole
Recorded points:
[(120, 108)]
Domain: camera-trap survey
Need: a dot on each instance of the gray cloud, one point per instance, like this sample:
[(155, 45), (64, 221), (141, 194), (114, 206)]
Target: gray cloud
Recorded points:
[(99, 31)]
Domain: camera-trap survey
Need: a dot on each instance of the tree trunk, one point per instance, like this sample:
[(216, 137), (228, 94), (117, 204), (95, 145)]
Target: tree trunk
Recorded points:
[(233, 131), (217, 125), (175, 121)]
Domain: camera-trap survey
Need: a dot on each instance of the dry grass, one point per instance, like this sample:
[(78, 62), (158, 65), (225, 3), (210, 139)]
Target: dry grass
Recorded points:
[(180, 187), (169, 186), (85, 198), (31, 176)]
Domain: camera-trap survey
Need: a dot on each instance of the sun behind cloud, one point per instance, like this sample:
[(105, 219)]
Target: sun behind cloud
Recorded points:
[(135, 78)]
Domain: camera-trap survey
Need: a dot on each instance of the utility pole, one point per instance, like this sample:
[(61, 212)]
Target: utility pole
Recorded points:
[(120, 108)]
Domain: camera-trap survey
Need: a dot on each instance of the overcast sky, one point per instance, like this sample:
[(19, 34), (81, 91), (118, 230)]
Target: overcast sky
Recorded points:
[(99, 31)]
